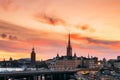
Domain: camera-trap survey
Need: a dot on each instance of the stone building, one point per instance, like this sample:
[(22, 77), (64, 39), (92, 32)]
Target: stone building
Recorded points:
[(71, 61)]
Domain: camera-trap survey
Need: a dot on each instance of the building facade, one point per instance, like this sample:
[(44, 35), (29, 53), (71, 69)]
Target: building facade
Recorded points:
[(71, 62)]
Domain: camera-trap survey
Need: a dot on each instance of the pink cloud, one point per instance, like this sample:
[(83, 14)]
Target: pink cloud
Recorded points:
[(9, 5)]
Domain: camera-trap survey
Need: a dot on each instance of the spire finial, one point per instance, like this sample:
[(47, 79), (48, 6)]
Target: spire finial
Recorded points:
[(69, 43), (33, 48)]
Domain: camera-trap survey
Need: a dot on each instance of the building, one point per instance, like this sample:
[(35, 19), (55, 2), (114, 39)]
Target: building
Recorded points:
[(65, 62), (118, 58), (9, 63), (24, 62), (68, 61), (89, 62), (33, 57), (71, 61)]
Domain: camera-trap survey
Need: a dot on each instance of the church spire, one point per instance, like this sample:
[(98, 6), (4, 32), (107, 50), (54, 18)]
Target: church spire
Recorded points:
[(69, 43), (69, 48)]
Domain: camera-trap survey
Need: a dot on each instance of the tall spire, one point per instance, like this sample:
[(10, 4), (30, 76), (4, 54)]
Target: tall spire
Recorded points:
[(33, 56), (69, 48), (69, 43)]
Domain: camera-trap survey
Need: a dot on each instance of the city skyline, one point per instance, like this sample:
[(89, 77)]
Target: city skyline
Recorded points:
[(94, 27)]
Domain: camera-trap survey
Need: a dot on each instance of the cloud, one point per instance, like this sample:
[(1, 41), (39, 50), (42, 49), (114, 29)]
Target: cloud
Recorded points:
[(15, 32), (8, 36), (8, 46), (84, 28), (96, 42), (96, 47), (54, 20), (3, 35), (11, 37), (25, 34), (6, 4), (106, 42), (19, 39), (77, 37), (50, 19), (9, 5)]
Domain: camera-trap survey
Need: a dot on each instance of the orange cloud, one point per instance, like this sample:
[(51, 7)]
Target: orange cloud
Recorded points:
[(8, 5), (78, 37), (96, 42), (50, 19), (84, 28), (115, 46), (46, 42)]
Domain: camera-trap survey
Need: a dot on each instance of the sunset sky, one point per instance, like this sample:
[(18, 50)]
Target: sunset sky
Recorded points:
[(94, 26)]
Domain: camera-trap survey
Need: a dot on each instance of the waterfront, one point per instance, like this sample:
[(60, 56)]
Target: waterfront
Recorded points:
[(59, 40)]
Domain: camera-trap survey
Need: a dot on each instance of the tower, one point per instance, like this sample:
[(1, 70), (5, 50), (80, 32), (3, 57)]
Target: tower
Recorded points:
[(33, 56), (69, 48)]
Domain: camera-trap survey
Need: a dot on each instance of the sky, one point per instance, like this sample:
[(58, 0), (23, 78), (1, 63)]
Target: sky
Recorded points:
[(94, 26)]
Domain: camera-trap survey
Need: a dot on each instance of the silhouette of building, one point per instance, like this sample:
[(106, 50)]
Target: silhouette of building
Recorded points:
[(65, 62), (33, 57), (71, 62), (9, 63), (69, 48)]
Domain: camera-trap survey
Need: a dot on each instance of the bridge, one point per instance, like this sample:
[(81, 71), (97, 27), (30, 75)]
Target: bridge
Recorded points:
[(37, 75), (44, 74)]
